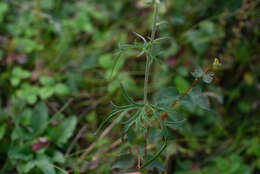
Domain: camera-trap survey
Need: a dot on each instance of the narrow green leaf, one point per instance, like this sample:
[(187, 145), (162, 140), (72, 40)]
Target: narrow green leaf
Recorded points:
[(164, 130), (155, 156), (156, 41), (140, 36), (165, 97), (123, 107), (140, 129), (141, 53), (155, 165), (110, 115), (131, 121), (130, 100), (115, 64), (146, 119)]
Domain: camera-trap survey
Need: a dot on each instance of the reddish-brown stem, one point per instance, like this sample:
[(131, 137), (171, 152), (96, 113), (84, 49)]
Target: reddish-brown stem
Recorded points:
[(192, 85), (164, 115), (139, 162)]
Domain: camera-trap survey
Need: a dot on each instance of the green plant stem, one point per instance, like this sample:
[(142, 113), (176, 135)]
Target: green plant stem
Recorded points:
[(148, 65), (148, 58)]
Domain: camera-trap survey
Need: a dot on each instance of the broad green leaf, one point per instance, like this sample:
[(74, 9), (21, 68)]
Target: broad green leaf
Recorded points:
[(46, 80), (20, 73), (47, 4), (61, 133), (123, 162), (207, 27), (3, 10), (31, 99), (20, 153), (25, 167), (181, 83), (40, 117), (25, 117), (106, 61), (43, 162), (27, 45), (61, 89), (28, 93), (46, 92), (15, 81), (58, 157), (165, 97)]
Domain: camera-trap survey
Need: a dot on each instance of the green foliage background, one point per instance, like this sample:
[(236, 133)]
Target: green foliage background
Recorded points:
[(58, 73)]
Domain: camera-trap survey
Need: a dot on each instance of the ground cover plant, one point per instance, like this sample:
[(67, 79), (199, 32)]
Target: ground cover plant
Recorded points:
[(63, 62)]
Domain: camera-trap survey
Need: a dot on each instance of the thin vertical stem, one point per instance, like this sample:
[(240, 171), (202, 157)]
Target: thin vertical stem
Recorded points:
[(148, 65), (148, 57)]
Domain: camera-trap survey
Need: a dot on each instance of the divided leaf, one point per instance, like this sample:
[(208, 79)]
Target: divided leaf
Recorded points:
[(61, 133), (198, 72), (199, 99), (175, 120), (207, 78), (165, 97), (195, 98)]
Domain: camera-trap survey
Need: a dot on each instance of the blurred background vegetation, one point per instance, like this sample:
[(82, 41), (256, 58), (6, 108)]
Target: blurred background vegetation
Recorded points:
[(56, 60)]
